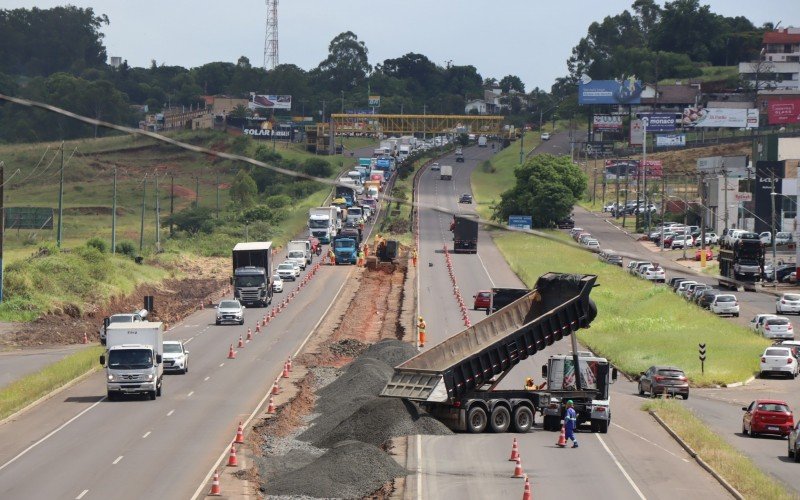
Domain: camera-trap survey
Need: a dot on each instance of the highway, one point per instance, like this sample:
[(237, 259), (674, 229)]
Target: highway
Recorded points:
[(636, 459)]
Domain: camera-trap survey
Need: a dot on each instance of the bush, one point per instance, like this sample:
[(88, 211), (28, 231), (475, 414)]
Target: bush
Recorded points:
[(126, 248), (97, 243), (278, 201), (317, 167)]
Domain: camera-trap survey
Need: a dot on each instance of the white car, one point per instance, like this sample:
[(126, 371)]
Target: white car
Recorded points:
[(575, 230), (778, 360), (634, 264), (655, 274), (277, 284), (295, 265), (788, 303), (758, 321), (230, 311), (176, 357), (724, 304), (545, 136), (681, 241), (778, 328), (681, 290), (286, 271), (435, 166), (593, 244)]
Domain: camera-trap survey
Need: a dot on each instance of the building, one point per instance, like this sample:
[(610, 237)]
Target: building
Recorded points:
[(670, 97), (778, 66)]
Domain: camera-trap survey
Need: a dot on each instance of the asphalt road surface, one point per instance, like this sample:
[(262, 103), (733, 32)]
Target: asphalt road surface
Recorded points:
[(636, 459)]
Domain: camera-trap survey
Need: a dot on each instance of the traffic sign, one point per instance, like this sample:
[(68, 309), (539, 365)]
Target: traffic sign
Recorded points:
[(520, 221), (702, 351)]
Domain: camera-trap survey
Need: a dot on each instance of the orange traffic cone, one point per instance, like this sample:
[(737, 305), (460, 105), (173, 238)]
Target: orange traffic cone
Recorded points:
[(215, 490), (239, 435), (285, 370), (264, 321), (272, 312), (271, 407), (231, 353), (276, 388), (258, 327), (232, 462), (289, 363), (202, 306), (562, 438), (514, 451), (85, 338), (241, 342), (527, 495), (518, 469)]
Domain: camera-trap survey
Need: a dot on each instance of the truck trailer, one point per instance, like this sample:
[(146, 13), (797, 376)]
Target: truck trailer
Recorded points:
[(465, 234), (252, 273), (446, 172), (133, 359), (741, 262), (455, 380)]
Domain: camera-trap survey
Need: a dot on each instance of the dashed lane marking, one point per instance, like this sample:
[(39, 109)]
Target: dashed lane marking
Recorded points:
[(169, 413), (84, 492), (146, 434), (190, 394), (115, 462)]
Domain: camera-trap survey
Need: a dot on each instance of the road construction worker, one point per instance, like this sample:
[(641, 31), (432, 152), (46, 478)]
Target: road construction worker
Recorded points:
[(360, 258), (332, 257), (529, 385), (570, 422), (414, 257), (421, 326)]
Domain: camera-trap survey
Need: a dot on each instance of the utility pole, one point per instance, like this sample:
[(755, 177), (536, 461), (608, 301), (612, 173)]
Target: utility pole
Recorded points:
[(664, 200), (704, 201), (114, 215), (60, 199), (141, 227), (158, 218), (725, 192), (644, 166), (773, 194), (197, 192), (171, 204), (2, 223), (594, 182), (521, 150), (217, 196)]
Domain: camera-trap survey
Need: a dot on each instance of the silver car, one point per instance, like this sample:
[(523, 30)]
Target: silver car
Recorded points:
[(778, 328), (230, 311)]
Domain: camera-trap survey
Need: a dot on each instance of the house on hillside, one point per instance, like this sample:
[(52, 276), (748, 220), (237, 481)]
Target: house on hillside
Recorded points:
[(671, 97), (778, 65)]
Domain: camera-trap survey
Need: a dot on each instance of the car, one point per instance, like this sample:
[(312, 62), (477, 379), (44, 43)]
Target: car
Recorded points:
[(758, 321), (286, 271), (277, 283), (575, 230), (681, 290), (675, 279), (767, 416), (545, 136), (766, 237), (176, 357), (777, 328), (710, 239), (794, 345), (610, 257), (610, 207), (681, 241), (725, 303), (577, 236), (689, 290), (664, 379), (698, 292), (655, 274), (778, 361), (295, 266), (782, 272), (435, 166), (585, 237), (698, 254), (677, 282), (482, 300), (465, 198), (707, 297), (593, 245), (788, 303), (632, 265), (122, 318), (565, 223), (794, 443), (640, 267), (230, 311)]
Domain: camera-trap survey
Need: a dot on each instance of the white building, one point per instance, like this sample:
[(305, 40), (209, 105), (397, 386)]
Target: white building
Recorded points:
[(779, 63)]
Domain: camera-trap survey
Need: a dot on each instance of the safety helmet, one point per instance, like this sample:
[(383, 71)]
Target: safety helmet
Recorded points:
[(569, 402)]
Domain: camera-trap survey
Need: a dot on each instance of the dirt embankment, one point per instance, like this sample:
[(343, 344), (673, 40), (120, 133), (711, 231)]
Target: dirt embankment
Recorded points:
[(685, 160), (173, 299)]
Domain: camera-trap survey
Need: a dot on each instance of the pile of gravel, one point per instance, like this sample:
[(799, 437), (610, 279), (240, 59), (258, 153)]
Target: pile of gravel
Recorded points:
[(365, 376), (351, 469), (391, 352), (347, 347)]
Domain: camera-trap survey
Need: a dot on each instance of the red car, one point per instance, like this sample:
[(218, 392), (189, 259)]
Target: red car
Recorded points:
[(482, 300), (698, 254), (767, 416)]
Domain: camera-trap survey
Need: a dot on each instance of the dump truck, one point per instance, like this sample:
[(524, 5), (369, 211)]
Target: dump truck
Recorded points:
[(465, 234), (455, 380), (252, 272)]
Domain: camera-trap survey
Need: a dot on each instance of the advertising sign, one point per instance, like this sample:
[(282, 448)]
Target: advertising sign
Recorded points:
[(743, 196), (659, 122), (621, 168), (653, 169), (607, 122), (720, 117), (600, 148), (670, 140), (765, 170), (732, 166), (374, 101), (278, 134), (520, 221), (625, 91), (637, 133), (785, 111), (270, 102)]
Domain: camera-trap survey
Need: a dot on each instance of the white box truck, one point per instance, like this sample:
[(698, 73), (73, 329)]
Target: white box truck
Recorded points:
[(133, 359), (299, 251), (322, 223), (445, 172)]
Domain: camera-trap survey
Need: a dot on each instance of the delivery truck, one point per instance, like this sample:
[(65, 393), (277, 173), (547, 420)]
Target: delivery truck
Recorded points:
[(133, 359), (446, 172), (252, 273), (465, 233)]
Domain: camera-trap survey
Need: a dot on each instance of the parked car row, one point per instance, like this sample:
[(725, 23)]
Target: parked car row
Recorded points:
[(647, 270), (610, 257), (585, 238)]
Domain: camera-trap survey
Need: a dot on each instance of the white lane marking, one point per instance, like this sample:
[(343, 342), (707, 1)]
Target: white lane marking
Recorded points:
[(648, 441), (81, 495), (190, 394), (488, 274), (188, 340), (622, 469), (221, 365), (146, 434), (419, 467), (48, 436), (169, 414), (206, 379), (260, 404), (115, 462)]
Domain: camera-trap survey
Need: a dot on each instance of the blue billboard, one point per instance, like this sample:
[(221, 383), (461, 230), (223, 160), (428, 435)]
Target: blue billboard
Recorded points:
[(520, 221), (659, 122), (625, 91)]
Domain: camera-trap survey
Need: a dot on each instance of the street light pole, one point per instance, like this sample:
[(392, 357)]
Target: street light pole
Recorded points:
[(772, 232)]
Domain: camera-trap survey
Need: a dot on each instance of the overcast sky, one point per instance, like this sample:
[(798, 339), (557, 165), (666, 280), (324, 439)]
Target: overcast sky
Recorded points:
[(528, 38)]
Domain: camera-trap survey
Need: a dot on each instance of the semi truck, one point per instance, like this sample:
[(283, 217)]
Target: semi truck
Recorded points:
[(133, 359), (465, 234), (446, 172), (456, 380), (252, 273), (346, 192), (345, 247), (322, 223), (743, 261)]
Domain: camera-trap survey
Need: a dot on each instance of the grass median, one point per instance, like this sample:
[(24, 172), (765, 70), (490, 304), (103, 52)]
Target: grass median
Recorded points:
[(24, 391), (730, 463), (639, 324)]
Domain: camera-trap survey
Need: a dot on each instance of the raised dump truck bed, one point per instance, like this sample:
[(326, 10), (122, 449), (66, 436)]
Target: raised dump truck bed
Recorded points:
[(480, 355)]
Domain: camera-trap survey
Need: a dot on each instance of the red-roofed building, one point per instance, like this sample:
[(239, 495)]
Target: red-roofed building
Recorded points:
[(778, 66)]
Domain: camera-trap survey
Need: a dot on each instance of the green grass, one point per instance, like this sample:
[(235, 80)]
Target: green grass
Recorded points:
[(489, 182), (710, 74), (26, 390), (639, 324), (738, 470)]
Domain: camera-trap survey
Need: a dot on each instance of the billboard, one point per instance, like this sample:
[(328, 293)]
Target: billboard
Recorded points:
[(267, 131), (659, 122), (637, 133), (732, 166), (270, 102), (653, 169), (785, 111), (670, 140), (607, 122), (765, 170), (374, 101), (720, 117), (624, 91)]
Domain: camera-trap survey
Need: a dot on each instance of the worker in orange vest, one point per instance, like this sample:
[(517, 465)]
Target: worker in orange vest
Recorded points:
[(421, 326)]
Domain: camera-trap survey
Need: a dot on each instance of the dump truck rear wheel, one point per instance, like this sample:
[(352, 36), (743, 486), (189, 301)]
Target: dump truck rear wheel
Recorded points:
[(501, 419), (476, 420), (523, 419)]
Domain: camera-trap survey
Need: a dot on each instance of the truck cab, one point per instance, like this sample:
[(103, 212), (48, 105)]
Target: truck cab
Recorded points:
[(252, 271), (345, 249)]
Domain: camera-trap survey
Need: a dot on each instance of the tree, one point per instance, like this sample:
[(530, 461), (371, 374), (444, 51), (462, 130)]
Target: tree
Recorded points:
[(347, 64), (243, 190), (192, 220), (512, 82), (546, 188), (317, 167)]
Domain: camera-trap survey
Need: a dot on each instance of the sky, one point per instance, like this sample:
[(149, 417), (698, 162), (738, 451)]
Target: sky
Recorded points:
[(528, 38)]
